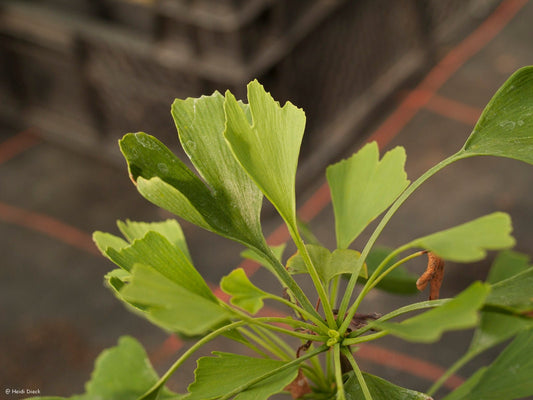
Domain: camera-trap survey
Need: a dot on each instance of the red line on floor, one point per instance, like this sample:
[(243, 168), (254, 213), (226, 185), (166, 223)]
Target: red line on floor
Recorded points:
[(406, 363), (445, 69), (49, 226), (18, 143), (453, 109)]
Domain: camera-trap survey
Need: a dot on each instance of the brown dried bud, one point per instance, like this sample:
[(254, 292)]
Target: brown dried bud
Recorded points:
[(433, 275)]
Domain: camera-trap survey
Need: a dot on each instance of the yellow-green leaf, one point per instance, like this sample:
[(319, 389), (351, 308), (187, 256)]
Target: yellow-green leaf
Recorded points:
[(267, 143), (244, 294), (362, 187), (470, 241)]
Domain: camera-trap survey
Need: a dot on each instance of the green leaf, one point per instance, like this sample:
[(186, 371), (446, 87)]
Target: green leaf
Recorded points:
[(496, 327), (398, 281), (155, 250), (379, 389), (170, 229), (505, 128), (459, 313), (123, 372), (327, 264), (514, 293), (362, 187), (163, 179), (508, 377), (267, 145), (170, 305), (507, 264), (462, 391), (201, 124), (217, 376), (260, 259), (244, 293), (468, 242)]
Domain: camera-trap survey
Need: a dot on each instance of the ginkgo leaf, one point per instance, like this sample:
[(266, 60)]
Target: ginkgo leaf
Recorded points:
[(155, 250), (201, 123), (170, 305), (496, 327), (380, 389), (505, 128), (244, 294), (327, 264), (459, 313), (267, 143), (122, 372), (220, 375), (508, 377), (362, 187), (166, 181), (170, 229), (470, 241)]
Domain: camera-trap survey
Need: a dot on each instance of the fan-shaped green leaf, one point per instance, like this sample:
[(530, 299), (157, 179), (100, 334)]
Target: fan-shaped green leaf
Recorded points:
[(327, 264), (155, 250), (244, 294), (267, 146), (468, 242), (220, 375), (459, 313), (508, 377), (505, 127), (170, 305), (362, 187), (165, 180), (380, 389)]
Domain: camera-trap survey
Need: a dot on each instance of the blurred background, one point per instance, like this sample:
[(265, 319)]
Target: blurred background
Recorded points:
[(75, 75)]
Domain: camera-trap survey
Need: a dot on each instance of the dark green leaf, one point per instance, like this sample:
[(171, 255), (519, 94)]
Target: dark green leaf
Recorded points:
[(163, 179), (508, 377), (380, 389), (505, 128), (470, 241), (459, 313), (507, 264), (362, 187), (267, 145), (217, 376), (515, 292)]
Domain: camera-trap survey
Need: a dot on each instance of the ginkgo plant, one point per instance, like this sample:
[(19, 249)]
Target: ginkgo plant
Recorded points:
[(244, 151)]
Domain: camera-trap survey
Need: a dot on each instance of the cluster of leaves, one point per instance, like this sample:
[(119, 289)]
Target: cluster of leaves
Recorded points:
[(243, 152)]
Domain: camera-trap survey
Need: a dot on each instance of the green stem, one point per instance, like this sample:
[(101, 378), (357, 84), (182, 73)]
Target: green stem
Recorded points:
[(362, 339), (400, 311), (265, 344), (454, 368), (318, 322), (386, 218), (314, 277), (252, 346), (338, 372), (282, 344), (393, 266), (267, 375), (357, 372), (154, 390), (289, 281)]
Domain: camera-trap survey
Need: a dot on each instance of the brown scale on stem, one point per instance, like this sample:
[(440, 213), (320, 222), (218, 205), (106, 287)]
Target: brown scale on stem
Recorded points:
[(433, 275)]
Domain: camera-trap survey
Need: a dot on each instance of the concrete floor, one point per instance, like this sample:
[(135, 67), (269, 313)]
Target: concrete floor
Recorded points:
[(56, 316)]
